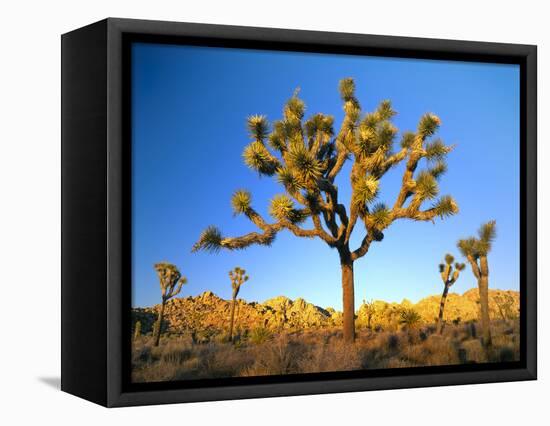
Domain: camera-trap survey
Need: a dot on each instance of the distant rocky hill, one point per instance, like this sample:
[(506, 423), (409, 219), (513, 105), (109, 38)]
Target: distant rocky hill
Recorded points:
[(208, 312)]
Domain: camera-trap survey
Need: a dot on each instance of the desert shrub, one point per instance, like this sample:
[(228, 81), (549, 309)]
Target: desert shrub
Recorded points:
[(409, 318), (506, 354), (175, 352), (260, 335), (318, 350), (278, 356), (393, 341), (474, 351)]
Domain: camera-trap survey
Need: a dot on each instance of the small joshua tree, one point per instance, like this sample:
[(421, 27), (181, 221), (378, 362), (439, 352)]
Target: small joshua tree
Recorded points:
[(306, 155), (171, 283), (475, 250), (449, 277), (137, 330), (238, 278), (370, 311)]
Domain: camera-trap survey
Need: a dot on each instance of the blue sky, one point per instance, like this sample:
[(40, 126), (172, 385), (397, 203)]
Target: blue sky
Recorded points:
[(189, 109)]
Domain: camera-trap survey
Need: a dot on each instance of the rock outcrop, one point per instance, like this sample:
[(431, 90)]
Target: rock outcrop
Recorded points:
[(210, 314)]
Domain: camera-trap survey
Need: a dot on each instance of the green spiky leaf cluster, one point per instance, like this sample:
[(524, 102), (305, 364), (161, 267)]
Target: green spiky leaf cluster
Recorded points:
[(366, 190), (241, 201), (426, 186), (428, 125), (480, 246), (258, 127), (445, 206), (210, 240), (436, 150), (282, 207), (304, 164), (257, 157), (380, 216)]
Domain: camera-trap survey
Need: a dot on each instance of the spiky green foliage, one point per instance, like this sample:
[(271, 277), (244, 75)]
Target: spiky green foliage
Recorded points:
[(241, 201), (366, 190), (426, 186), (257, 157), (381, 216), (436, 150), (445, 206), (407, 139), (210, 240), (304, 163), (438, 169), (294, 110), (385, 110), (429, 123), (282, 208), (449, 259), (488, 232), (305, 155), (481, 246), (468, 247), (409, 318), (289, 179), (460, 266), (347, 88), (258, 127)]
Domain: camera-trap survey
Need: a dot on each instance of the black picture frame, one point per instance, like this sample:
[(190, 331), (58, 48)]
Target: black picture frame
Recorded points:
[(96, 226)]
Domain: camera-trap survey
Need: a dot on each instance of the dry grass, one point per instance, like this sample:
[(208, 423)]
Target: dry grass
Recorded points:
[(260, 354)]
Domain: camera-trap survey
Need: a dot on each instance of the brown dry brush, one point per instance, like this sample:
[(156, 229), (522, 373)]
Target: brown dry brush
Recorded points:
[(306, 155), (449, 277), (475, 250), (178, 357)]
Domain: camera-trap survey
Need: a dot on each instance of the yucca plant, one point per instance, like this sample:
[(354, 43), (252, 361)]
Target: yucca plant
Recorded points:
[(475, 250), (409, 318), (305, 156), (171, 283), (238, 277), (449, 277)]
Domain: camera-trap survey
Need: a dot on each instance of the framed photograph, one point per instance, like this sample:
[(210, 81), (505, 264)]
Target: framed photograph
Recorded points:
[(254, 212)]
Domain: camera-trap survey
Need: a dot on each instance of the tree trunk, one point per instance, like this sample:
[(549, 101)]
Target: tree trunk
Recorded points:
[(441, 309), (483, 286), (232, 319), (348, 296), (158, 327)]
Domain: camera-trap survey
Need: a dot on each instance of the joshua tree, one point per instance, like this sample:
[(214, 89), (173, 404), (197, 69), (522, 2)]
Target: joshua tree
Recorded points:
[(449, 277), (137, 330), (171, 282), (238, 278), (475, 250), (306, 156), (370, 311)]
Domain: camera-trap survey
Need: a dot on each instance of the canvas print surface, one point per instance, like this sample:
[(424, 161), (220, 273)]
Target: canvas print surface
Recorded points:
[(297, 213)]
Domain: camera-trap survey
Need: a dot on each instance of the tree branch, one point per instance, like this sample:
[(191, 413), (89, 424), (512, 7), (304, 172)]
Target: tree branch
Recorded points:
[(363, 248)]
